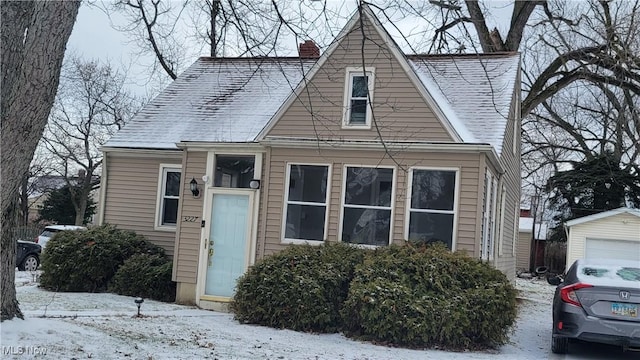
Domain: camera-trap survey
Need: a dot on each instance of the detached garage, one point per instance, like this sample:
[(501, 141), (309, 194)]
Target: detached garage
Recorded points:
[(613, 234)]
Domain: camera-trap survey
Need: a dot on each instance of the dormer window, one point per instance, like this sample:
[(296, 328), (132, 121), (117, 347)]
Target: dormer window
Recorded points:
[(358, 95)]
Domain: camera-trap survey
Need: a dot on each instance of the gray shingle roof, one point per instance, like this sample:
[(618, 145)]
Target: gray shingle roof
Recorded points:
[(477, 88), (232, 100), (214, 100)]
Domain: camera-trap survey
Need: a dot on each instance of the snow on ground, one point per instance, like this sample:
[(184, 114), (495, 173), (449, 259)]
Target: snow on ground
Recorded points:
[(104, 326)]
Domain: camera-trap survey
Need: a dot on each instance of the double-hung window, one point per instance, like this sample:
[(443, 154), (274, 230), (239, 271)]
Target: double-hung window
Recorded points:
[(168, 196), (306, 202), (367, 206), (432, 206), (358, 95)]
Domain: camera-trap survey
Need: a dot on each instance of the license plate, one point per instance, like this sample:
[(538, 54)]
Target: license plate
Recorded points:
[(624, 309)]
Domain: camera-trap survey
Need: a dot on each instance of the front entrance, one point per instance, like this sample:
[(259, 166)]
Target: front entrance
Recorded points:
[(228, 237), (228, 242)]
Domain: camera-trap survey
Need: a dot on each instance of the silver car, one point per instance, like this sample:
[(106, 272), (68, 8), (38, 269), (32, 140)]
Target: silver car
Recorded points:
[(598, 301)]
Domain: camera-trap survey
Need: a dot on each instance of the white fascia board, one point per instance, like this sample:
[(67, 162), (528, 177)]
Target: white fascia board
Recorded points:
[(208, 146), (146, 152)]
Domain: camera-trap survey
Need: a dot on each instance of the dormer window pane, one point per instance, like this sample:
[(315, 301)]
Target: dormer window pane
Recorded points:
[(359, 89), (358, 112)]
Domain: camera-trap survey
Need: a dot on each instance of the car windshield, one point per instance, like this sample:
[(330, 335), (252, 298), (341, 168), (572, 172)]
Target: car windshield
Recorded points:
[(48, 232)]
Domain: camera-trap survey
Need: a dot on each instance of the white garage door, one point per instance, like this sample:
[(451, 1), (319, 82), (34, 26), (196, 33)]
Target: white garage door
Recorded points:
[(612, 249)]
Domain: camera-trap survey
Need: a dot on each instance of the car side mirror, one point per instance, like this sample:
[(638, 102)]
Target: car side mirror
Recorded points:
[(554, 280)]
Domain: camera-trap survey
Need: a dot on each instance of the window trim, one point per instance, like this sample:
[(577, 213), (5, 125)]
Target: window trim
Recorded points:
[(394, 180), (516, 127), (503, 208), (488, 217), (349, 74), (516, 230), (163, 169), (285, 204), (456, 201)]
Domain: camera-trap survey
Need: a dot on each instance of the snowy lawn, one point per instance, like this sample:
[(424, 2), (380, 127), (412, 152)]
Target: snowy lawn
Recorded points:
[(104, 326)]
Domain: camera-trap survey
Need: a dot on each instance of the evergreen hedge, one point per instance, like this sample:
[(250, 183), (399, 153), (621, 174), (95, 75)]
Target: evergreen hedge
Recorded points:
[(427, 296), (300, 288), (86, 261), (147, 276)]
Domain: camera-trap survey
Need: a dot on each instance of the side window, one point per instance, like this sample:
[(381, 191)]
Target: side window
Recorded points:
[(306, 202), (168, 197), (432, 206), (367, 206), (358, 95)]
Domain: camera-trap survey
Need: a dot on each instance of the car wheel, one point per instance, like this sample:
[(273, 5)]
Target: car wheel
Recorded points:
[(559, 345), (30, 263)]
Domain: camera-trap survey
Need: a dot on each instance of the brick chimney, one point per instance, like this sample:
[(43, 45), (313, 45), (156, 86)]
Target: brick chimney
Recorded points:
[(309, 50)]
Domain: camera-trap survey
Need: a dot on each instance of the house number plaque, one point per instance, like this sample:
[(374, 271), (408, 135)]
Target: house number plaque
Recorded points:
[(190, 218)]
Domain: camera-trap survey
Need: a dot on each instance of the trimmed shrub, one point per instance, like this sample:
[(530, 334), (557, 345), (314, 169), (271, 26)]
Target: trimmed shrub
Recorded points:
[(427, 296), (147, 276), (87, 260), (300, 288)]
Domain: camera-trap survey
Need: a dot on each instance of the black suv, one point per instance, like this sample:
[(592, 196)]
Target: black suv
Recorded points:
[(27, 255)]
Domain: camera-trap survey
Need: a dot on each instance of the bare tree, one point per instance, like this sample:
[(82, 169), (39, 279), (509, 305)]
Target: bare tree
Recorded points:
[(91, 105), (34, 36), (225, 27)]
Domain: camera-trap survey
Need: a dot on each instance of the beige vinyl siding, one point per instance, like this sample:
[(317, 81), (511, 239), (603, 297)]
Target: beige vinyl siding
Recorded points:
[(188, 241), (131, 195), (269, 237), (399, 110), (511, 162), (616, 227), (523, 250)]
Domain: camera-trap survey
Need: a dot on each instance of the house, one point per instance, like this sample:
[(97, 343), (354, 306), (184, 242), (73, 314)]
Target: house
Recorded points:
[(532, 238), (613, 234), (238, 158)]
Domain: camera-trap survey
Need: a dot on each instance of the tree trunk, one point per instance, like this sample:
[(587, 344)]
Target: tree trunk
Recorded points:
[(34, 37), (24, 201)]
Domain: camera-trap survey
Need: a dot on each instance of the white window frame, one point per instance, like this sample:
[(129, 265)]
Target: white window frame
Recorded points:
[(456, 201), (516, 230), (162, 182), (392, 206), (350, 73), (494, 211), (286, 203), (487, 243), (503, 203)]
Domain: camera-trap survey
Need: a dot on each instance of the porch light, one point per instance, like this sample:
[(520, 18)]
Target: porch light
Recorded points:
[(193, 186), (254, 184)]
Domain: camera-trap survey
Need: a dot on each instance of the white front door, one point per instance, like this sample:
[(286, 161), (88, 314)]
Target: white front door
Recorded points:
[(228, 244)]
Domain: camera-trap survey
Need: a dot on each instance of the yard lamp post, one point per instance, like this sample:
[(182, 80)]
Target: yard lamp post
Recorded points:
[(138, 302)]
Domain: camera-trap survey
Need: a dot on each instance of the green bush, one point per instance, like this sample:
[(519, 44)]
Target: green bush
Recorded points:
[(147, 276), (87, 260), (427, 296), (300, 288)]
